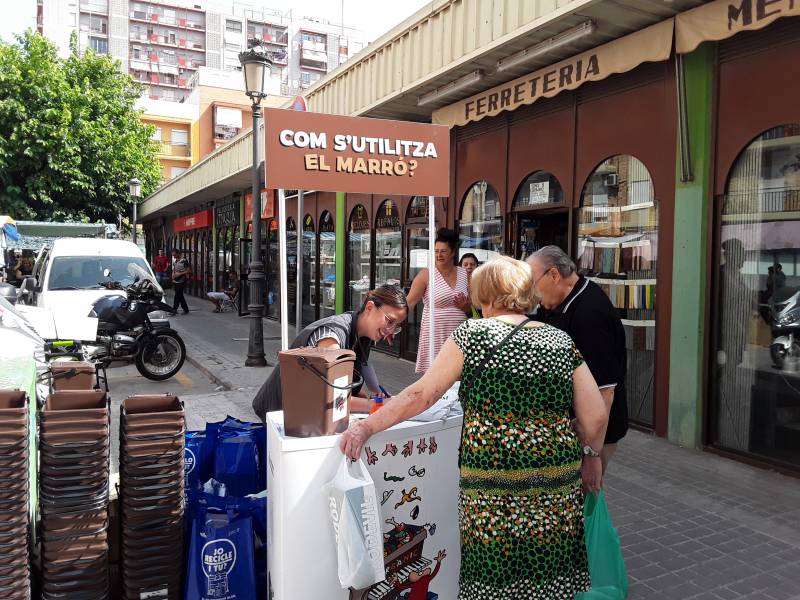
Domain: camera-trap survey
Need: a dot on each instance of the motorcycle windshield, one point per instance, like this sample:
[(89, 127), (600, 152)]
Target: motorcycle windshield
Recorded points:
[(138, 273)]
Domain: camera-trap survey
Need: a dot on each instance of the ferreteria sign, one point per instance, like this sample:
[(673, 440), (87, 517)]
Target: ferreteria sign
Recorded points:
[(722, 19), (354, 154), (624, 54)]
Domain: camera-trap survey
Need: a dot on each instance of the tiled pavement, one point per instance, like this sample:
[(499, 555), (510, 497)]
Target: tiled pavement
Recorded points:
[(693, 525)]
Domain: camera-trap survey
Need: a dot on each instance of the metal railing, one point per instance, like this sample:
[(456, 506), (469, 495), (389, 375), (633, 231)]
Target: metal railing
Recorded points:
[(167, 149)]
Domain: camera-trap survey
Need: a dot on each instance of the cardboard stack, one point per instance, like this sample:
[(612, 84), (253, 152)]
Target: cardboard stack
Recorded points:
[(14, 519), (152, 430), (73, 495)]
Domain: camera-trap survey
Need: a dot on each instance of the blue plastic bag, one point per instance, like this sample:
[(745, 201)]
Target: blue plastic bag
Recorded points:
[(606, 563), (236, 462), (215, 431), (255, 508), (197, 459), (221, 558)]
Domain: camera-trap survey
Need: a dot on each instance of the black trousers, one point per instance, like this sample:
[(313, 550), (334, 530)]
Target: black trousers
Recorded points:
[(179, 297)]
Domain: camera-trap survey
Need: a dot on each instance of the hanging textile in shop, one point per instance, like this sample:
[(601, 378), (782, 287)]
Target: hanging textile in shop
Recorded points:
[(653, 44), (722, 19)]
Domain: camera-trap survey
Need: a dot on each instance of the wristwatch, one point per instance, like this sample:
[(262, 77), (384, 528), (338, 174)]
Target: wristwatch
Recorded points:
[(589, 451)]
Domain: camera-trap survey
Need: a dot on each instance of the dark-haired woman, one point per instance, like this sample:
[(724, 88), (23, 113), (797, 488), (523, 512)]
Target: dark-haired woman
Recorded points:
[(451, 297), (470, 262), (380, 316)]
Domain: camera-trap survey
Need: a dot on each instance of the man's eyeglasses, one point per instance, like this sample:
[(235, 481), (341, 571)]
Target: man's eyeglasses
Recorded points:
[(391, 323), (538, 279)]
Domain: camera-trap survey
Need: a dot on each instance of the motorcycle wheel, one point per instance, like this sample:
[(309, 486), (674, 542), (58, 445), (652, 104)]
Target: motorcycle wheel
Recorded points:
[(164, 359)]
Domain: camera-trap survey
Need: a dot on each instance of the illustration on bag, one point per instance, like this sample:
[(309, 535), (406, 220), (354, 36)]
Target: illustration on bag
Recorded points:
[(219, 557), (408, 573)]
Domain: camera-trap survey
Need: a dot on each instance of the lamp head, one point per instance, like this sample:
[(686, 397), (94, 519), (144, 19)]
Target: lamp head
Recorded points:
[(256, 66), (135, 188)]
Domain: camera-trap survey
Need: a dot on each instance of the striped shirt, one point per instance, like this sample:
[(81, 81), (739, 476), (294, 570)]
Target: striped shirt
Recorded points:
[(448, 315)]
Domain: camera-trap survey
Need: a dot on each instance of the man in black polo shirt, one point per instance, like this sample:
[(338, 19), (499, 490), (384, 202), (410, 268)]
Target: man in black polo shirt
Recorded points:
[(578, 306)]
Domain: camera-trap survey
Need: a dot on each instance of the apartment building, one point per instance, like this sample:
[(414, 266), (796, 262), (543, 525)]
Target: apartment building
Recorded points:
[(176, 133), (163, 44)]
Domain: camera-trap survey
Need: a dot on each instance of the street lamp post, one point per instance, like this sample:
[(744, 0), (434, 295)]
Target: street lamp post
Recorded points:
[(256, 67), (135, 191)]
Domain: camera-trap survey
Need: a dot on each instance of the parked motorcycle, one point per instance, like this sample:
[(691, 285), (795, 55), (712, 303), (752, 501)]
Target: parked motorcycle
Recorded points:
[(125, 331), (785, 317)]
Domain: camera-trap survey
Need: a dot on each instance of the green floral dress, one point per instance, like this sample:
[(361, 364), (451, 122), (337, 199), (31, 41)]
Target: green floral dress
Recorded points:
[(521, 505)]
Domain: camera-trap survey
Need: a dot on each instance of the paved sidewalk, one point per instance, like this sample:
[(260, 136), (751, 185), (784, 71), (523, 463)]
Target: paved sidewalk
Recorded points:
[(693, 525)]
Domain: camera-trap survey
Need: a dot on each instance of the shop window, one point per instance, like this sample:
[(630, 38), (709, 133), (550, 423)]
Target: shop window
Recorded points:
[(757, 381), (416, 260), (327, 264), (358, 254), (617, 249), (273, 271), (480, 225), (291, 268), (309, 270), (539, 188), (388, 252)]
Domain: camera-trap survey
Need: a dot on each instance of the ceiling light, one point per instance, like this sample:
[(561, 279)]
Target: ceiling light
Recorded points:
[(557, 41), (451, 88)]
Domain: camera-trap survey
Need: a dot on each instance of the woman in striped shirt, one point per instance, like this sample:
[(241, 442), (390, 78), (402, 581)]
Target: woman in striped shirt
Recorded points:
[(451, 297)]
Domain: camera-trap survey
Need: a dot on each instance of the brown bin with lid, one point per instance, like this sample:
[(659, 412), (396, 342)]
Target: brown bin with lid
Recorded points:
[(315, 386), (73, 375)]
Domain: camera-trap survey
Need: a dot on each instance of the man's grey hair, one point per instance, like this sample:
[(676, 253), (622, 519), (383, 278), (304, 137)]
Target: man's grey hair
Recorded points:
[(553, 256)]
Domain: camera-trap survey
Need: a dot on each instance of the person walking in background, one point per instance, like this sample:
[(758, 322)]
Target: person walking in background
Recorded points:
[(581, 308), (161, 266), (522, 463), (451, 293), (469, 262), (181, 271)]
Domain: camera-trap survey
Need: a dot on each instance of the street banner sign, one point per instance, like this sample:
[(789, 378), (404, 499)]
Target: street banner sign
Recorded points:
[(315, 151)]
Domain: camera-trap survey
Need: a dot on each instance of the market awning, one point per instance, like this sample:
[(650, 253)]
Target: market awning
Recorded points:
[(652, 44), (722, 19)]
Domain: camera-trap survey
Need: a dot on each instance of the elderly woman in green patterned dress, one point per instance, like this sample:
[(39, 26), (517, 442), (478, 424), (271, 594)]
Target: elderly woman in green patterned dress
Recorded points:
[(523, 466)]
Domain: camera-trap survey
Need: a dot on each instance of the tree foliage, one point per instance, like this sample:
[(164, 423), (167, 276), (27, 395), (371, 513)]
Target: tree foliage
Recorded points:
[(70, 136)]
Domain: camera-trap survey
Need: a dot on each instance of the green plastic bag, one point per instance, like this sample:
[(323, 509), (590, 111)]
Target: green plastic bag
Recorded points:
[(606, 565)]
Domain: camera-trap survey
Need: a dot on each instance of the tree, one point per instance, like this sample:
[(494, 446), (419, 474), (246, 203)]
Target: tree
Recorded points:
[(70, 136)]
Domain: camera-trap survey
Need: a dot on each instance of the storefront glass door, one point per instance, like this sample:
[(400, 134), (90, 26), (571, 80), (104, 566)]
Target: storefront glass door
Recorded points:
[(309, 271), (388, 255), (756, 357), (534, 230), (327, 265), (358, 256), (291, 268)]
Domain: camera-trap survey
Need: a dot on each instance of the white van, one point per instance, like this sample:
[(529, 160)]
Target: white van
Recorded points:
[(67, 275)]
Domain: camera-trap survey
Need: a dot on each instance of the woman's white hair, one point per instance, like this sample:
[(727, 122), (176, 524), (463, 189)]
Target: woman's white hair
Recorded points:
[(504, 282)]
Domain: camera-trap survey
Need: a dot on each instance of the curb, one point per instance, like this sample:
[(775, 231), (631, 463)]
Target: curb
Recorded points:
[(209, 373)]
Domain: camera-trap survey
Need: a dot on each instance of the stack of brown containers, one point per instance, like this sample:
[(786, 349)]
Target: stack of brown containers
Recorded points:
[(70, 375), (73, 495), (152, 430), (14, 521)]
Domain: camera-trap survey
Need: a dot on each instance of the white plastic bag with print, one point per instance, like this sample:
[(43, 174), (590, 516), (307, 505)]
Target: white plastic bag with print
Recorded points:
[(356, 519)]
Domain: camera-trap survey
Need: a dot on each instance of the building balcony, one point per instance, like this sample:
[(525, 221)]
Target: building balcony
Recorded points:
[(314, 66), (177, 23), (167, 150), (157, 40)]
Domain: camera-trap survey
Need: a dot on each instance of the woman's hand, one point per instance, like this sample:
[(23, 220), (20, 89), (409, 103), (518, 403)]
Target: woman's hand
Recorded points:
[(461, 301), (354, 438), (592, 474)]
